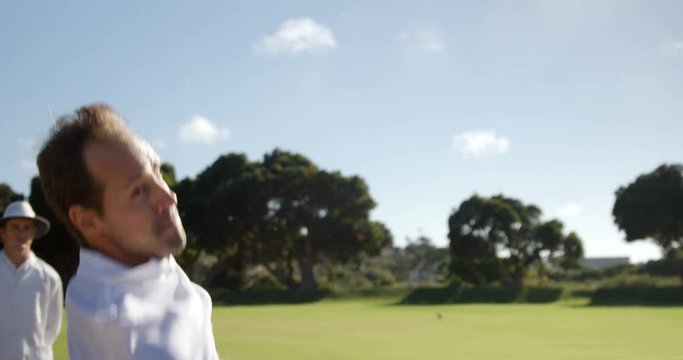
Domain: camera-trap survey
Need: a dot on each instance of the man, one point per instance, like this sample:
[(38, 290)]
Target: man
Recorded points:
[(31, 290), (128, 299)]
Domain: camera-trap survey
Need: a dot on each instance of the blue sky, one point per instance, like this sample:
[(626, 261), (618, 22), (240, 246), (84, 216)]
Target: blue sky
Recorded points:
[(557, 103)]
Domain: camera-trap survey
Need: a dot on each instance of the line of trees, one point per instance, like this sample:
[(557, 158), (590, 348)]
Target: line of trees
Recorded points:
[(289, 218)]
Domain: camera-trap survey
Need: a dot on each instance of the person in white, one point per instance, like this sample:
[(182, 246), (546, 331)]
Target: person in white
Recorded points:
[(128, 299), (30, 289)]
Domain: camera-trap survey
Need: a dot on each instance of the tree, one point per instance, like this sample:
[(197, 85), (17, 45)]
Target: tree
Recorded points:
[(57, 247), (498, 239), (215, 211), (421, 258), (572, 251), (282, 213), (473, 256), (318, 214), (168, 174), (651, 207), (7, 195)]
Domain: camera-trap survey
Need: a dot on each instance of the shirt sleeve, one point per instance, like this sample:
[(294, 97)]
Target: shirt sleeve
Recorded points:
[(54, 312)]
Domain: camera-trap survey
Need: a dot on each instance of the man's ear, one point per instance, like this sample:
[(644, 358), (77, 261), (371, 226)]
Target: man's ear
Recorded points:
[(84, 220)]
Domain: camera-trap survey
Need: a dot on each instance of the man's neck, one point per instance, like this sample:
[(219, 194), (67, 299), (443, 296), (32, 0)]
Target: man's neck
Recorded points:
[(17, 256)]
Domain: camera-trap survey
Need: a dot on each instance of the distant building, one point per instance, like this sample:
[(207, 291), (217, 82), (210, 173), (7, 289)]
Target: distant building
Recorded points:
[(598, 263)]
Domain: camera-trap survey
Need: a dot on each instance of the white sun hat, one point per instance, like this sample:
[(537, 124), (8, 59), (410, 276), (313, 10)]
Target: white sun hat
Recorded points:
[(22, 209)]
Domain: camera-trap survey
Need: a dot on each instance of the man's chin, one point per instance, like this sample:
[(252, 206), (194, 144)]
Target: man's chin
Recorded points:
[(178, 250), (176, 242)]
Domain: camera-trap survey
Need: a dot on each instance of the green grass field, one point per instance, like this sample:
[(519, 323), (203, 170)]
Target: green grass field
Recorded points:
[(376, 329)]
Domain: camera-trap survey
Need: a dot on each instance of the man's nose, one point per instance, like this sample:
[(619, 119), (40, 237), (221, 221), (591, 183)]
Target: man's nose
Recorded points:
[(166, 198)]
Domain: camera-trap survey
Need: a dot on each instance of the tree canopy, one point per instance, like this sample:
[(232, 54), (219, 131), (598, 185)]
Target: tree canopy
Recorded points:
[(57, 247), (7, 195), (651, 207), (282, 213), (497, 239)]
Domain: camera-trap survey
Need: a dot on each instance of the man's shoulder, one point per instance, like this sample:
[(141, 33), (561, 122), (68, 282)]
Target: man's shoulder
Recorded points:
[(47, 271), (80, 295), (203, 294)]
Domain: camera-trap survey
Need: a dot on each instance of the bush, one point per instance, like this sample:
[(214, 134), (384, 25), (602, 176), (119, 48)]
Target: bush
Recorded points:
[(341, 278), (635, 280), (262, 297), (265, 281), (638, 295), (379, 277), (670, 265), (584, 274), (482, 294)]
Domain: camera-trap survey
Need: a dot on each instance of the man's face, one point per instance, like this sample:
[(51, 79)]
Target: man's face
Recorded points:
[(18, 234), (139, 216)]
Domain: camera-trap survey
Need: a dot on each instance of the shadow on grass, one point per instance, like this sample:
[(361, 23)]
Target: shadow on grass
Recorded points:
[(608, 296), (637, 296), (267, 297), (481, 295)]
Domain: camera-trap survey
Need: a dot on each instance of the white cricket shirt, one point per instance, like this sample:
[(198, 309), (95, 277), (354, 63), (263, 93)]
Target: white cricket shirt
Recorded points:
[(151, 311), (30, 308)]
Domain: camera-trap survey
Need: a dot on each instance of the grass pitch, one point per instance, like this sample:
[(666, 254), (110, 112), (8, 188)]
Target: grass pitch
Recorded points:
[(377, 329)]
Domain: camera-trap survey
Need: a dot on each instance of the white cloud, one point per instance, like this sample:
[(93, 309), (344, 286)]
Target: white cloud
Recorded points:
[(570, 210), (298, 36), (200, 129), (673, 47), (480, 143), (427, 40)]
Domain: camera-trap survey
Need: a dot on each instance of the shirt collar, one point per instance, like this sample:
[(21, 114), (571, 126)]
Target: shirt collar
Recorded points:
[(29, 261), (94, 264)]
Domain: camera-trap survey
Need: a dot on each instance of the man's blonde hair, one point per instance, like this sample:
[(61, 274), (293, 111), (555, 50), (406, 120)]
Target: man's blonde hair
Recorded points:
[(64, 175)]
